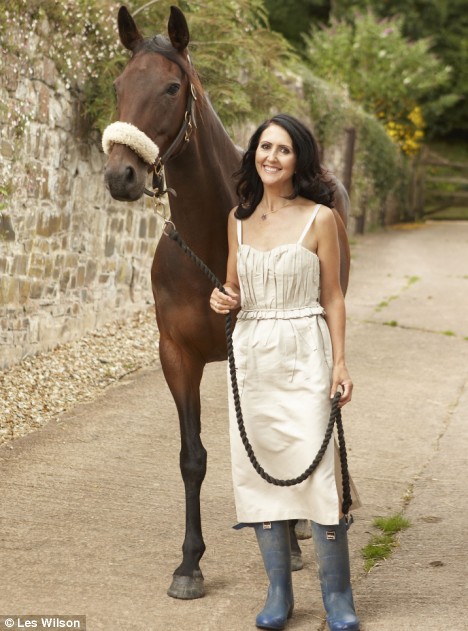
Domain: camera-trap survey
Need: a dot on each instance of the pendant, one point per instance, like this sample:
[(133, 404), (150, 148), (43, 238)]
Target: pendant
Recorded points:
[(263, 217)]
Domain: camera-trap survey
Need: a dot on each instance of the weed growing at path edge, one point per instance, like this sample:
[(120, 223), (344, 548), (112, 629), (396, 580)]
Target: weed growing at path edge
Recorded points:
[(381, 546)]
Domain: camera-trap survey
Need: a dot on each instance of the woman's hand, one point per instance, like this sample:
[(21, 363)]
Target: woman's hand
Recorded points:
[(341, 378), (223, 303)]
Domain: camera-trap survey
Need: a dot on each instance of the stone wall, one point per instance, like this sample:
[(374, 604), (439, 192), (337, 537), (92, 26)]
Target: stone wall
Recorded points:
[(71, 258)]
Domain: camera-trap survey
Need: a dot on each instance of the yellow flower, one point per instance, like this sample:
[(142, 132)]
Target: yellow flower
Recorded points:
[(408, 136)]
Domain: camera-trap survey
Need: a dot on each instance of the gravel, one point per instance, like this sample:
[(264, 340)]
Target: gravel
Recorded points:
[(48, 384)]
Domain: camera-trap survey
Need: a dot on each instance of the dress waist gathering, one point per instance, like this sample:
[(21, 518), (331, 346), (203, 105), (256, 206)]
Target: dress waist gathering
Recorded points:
[(256, 313)]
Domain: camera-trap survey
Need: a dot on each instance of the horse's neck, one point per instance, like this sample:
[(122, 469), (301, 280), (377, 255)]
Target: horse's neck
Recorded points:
[(202, 175)]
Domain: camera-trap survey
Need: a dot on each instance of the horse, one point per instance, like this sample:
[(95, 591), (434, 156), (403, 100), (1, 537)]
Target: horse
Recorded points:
[(161, 100)]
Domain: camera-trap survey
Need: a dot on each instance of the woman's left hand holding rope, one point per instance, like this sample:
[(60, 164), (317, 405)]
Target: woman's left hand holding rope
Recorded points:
[(223, 303)]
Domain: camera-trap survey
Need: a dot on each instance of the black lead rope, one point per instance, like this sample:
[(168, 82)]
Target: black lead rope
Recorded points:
[(335, 414)]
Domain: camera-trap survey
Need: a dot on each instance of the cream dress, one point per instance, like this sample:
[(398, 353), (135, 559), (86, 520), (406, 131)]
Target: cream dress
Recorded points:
[(283, 357)]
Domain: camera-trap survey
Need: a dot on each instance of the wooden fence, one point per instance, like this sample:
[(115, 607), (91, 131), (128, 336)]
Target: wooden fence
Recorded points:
[(438, 184)]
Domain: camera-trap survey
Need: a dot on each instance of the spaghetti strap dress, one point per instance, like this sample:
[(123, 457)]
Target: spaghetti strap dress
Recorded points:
[(283, 358)]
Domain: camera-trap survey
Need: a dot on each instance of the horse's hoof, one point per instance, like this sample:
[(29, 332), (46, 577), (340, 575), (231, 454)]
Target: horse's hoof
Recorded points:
[(187, 587), (296, 561), (303, 529)]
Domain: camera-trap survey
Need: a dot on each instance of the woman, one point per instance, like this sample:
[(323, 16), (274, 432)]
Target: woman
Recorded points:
[(290, 359)]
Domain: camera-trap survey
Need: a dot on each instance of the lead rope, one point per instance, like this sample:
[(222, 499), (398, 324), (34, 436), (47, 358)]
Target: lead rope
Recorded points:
[(335, 414)]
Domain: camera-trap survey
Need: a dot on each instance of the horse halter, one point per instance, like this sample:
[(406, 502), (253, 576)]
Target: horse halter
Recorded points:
[(129, 135), (184, 135)]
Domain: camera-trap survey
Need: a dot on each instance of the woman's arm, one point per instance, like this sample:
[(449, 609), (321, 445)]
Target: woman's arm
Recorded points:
[(220, 302), (332, 299)]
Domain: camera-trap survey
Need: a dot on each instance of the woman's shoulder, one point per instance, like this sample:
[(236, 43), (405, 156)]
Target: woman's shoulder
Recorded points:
[(324, 211), (325, 219), (308, 207)]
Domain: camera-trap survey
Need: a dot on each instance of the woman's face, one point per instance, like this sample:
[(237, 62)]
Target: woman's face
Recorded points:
[(275, 159)]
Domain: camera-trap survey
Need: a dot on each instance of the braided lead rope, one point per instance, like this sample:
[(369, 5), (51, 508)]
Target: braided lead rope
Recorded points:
[(335, 414)]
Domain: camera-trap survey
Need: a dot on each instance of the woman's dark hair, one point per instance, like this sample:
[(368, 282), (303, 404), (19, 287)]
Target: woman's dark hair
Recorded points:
[(309, 180)]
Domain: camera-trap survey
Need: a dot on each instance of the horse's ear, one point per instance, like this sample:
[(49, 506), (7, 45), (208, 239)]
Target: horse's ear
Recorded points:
[(130, 36), (178, 30)]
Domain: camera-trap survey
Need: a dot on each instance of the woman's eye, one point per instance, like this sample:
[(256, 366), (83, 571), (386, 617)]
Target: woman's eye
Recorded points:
[(173, 89), (265, 146)]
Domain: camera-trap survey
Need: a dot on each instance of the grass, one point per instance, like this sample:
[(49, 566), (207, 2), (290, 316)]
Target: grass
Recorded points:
[(381, 546), (391, 323), (385, 303), (412, 280)]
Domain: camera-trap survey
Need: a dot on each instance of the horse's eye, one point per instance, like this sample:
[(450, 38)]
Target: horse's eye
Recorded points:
[(173, 88)]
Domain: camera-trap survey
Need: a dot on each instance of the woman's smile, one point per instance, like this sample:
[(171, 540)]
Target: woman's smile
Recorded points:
[(275, 159)]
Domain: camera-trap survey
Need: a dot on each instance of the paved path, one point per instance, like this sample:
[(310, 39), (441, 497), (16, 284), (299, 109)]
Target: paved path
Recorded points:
[(91, 506)]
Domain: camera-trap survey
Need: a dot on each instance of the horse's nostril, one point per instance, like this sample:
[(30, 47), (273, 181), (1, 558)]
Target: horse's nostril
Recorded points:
[(129, 174)]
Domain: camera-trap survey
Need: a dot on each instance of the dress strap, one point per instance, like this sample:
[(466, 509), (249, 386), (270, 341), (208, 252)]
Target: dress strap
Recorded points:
[(310, 222), (239, 231)]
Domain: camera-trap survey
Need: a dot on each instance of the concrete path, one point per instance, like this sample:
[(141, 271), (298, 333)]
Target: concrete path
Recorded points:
[(92, 505)]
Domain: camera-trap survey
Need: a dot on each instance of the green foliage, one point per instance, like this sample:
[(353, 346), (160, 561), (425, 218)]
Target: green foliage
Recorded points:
[(384, 162), (381, 70), (243, 64), (379, 166), (381, 546), (446, 23), (330, 107), (293, 18)]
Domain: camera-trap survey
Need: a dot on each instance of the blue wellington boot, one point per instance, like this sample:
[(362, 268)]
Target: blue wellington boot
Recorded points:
[(331, 549), (274, 544)]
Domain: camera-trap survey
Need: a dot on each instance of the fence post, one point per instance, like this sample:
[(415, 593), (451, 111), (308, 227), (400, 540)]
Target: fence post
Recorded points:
[(349, 158)]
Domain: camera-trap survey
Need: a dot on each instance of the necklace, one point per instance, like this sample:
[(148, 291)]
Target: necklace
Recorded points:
[(270, 212)]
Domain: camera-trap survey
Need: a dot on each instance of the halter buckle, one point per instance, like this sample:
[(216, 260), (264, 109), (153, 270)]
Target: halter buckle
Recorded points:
[(189, 130)]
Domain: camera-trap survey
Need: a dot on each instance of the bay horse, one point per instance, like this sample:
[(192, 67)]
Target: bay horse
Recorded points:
[(159, 93)]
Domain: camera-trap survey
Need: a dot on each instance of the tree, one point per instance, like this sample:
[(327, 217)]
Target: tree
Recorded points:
[(381, 70), (446, 23), (293, 18)]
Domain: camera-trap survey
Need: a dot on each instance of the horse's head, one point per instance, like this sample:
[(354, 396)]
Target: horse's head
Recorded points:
[(153, 93)]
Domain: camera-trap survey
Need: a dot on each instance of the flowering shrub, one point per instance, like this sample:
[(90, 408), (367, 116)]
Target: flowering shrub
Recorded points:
[(381, 70)]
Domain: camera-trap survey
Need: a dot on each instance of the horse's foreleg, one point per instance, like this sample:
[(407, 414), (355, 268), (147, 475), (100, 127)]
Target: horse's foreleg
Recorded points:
[(183, 374)]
